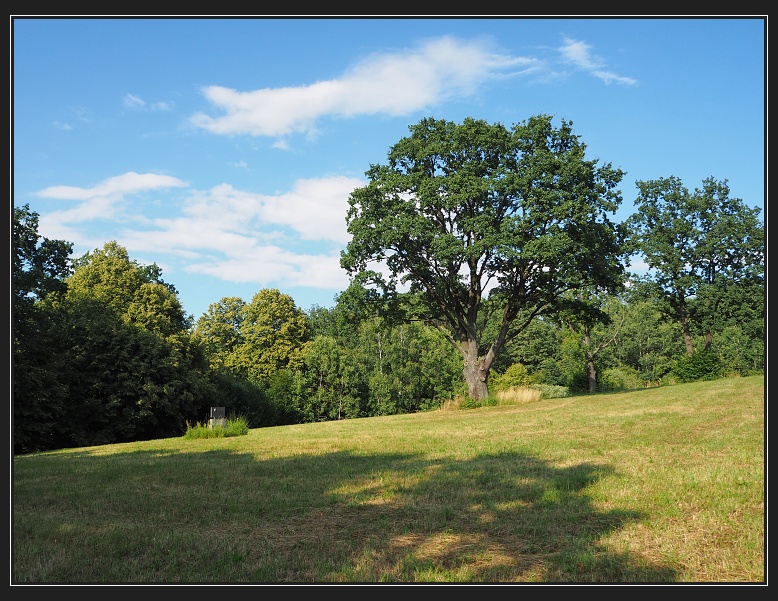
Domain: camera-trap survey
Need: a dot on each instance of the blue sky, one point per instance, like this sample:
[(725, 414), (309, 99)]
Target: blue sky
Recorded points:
[(224, 150)]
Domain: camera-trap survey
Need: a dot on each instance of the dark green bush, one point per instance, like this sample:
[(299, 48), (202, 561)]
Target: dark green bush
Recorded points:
[(702, 365)]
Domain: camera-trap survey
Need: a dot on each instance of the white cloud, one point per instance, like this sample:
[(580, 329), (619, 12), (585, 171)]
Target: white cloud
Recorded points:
[(114, 187), (272, 265), (224, 232), (315, 208), (99, 202), (235, 223), (390, 84), (608, 77), (234, 235), (577, 53)]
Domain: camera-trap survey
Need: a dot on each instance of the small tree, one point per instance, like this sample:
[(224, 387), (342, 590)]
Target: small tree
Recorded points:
[(700, 247), (590, 319)]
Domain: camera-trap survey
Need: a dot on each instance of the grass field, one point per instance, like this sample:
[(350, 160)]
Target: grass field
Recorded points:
[(662, 485)]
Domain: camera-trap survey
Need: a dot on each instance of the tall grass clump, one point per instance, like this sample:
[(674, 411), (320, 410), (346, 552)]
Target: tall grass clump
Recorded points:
[(518, 395), (237, 425)]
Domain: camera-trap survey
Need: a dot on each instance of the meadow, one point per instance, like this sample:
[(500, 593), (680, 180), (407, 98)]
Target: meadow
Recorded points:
[(660, 485)]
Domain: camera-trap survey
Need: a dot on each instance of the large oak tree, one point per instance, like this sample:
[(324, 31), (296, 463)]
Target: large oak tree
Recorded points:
[(470, 210)]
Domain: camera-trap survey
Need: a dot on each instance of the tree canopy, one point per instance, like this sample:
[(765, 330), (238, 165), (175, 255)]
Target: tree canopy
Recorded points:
[(465, 211), (705, 251), (258, 338)]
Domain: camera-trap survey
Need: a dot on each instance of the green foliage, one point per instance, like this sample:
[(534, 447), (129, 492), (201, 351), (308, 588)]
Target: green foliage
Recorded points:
[(552, 391), (648, 340), (740, 353), (240, 395), (469, 402), (134, 292), (221, 331), (459, 206), (516, 376), (274, 333), (40, 268), (284, 391), (255, 339), (531, 347), (572, 363), (702, 365), (619, 378), (39, 265), (120, 364), (700, 246)]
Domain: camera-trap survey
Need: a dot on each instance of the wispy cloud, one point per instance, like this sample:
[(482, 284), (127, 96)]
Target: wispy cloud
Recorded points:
[(114, 187), (131, 101), (578, 53), (388, 83), (100, 202)]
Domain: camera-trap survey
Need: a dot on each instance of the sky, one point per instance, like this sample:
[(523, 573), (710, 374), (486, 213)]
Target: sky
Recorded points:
[(225, 149)]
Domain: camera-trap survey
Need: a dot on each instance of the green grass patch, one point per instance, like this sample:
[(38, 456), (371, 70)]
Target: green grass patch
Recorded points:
[(661, 485)]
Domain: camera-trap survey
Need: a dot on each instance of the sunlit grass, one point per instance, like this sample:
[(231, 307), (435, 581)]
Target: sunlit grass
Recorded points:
[(518, 395), (663, 485)]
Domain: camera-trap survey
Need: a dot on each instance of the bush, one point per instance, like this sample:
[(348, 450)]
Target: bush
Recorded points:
[(620, 378), (552, 391), (510, 396), (702, 365), (516, 376)]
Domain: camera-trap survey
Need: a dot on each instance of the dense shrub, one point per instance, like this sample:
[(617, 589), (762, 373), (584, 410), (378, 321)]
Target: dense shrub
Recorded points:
[(619, 378), (552, 391), (701, 365), (516, 376)]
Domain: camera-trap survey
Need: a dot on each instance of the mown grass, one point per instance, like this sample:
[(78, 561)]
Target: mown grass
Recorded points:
[(663, 485)]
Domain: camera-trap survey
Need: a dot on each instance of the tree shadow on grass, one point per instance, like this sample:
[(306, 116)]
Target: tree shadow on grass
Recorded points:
[(224, 517)]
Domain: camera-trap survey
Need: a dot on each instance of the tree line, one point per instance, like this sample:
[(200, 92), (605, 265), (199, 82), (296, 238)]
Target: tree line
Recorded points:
[(514, 275)]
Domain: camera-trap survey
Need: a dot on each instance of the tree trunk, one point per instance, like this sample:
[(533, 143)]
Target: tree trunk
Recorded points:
[(687, 333), (591, 373), (708, 340), (687, 338), (476, 373)]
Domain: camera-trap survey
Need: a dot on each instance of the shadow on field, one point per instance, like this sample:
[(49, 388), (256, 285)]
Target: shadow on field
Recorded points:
[(219, 516)]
